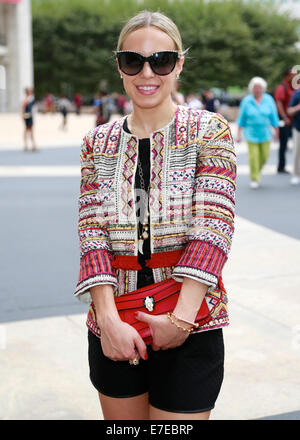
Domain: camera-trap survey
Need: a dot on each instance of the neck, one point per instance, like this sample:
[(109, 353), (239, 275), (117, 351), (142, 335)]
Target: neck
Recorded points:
[(142, 122)]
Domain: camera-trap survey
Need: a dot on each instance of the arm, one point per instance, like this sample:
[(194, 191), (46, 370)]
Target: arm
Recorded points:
[(274, 119), (276, 134), (241, 121), (23, 107), (293, 110), (212, 223), (191, 296), (210, 233), (97, 279), (279, 97), (282, 113), (95, 250), (239, 134)]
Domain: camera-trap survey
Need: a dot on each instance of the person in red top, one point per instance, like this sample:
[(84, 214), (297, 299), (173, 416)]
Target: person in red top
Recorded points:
[(78, 102), (282, 96)]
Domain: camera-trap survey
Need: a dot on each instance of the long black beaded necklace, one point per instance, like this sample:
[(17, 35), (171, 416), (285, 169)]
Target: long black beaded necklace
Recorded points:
[(144, 231)]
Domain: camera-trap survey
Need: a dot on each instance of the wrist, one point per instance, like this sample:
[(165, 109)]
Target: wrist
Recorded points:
[(107, 319), (185, 321), (105, 306), (191, 295), (186, 314), (181, 324)]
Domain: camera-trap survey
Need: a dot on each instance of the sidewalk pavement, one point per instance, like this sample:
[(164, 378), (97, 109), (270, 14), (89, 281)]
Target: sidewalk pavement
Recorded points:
[(44, 369), (47, 130), (48, 133)]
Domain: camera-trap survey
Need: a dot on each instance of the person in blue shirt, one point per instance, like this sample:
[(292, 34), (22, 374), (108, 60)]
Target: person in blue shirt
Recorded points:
[(257, 115), (294, 110)]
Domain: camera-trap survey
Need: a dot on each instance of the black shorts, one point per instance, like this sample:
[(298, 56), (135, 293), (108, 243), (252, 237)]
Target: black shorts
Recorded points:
[(184, 379), (28, 122)]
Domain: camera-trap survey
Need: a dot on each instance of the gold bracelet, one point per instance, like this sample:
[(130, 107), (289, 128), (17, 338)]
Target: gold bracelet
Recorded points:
[(189, 330), (194, 324)]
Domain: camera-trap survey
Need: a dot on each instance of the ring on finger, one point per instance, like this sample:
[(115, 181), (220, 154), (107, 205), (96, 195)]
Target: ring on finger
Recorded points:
[(134, 361)]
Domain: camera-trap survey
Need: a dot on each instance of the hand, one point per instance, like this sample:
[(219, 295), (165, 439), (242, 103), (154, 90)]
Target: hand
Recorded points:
[(165, 334), (121, 342), (287, 121)]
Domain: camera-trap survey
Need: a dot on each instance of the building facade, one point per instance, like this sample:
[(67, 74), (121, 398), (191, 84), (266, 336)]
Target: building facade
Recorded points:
[(16, 57)]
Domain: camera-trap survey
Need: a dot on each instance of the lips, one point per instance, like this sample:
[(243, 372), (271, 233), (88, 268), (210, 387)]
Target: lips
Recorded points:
[(148, 89)]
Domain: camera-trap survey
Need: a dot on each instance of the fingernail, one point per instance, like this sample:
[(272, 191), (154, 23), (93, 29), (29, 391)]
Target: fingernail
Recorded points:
[(135, 314), (146, 357)]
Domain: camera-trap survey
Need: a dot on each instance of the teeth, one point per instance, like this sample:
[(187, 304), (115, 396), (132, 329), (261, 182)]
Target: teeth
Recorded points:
[(146, 87)]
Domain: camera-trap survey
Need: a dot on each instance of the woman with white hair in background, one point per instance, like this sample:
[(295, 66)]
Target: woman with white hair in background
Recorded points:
[(257, 114)]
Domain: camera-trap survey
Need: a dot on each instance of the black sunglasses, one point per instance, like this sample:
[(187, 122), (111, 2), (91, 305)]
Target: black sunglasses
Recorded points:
[(162, 63)]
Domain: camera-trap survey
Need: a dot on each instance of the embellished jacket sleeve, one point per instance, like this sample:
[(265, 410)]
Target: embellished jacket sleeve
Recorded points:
[(212, 222), (95, 250)]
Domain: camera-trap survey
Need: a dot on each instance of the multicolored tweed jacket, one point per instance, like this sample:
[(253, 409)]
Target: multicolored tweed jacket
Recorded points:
[(191, 204)]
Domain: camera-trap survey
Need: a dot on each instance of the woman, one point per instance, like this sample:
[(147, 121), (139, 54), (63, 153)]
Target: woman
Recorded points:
[(27, 114), (184, 160), (256, 115), (64, 106)]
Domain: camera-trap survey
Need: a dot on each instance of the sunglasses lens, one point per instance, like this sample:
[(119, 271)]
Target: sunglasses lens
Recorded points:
[(163, 63), (130, 63)]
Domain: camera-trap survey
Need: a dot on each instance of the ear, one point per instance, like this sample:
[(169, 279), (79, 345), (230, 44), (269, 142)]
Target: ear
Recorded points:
[(179, 66), (120, 72)]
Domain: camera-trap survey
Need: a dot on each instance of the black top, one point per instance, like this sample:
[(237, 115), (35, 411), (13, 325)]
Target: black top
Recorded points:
[(145, 275)]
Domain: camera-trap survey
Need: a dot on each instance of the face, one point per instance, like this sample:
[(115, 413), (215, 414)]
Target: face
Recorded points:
[(147, 89), (290, 77), (257, 90)]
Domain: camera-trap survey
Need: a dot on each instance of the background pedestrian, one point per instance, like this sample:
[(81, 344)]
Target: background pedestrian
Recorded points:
[(257, 114)]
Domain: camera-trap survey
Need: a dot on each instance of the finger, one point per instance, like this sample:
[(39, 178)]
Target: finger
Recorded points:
[(155, 347), (141, 347), (145, 317), (133, 355)]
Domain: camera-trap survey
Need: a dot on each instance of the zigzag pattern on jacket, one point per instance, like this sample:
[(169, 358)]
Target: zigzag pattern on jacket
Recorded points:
[(191, 203)]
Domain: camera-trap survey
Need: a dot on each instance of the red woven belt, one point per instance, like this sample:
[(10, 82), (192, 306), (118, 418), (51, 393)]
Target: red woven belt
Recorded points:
[(160, 259)]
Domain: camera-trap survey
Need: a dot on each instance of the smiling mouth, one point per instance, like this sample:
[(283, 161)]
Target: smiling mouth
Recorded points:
[(147, 89)]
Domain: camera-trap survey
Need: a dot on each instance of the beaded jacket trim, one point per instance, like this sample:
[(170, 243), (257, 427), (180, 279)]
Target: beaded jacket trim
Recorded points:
[(191, 204)]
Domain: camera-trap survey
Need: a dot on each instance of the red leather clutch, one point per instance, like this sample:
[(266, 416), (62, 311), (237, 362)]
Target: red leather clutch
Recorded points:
[(155, 299)]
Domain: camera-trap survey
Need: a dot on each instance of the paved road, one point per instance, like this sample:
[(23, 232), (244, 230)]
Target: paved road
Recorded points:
[(39, 233), (38, 268), (39, 236)]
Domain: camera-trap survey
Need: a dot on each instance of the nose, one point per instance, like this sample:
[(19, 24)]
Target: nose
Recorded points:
[(147, 72)]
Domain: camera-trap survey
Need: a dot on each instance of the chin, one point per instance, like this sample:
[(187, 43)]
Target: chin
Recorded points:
[(148, 102), (147, 105)]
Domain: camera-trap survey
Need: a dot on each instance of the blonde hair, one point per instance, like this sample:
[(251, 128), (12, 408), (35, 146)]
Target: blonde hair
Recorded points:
[(147, 19)]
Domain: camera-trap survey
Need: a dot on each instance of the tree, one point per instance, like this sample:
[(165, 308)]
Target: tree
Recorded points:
[(229, 42)]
